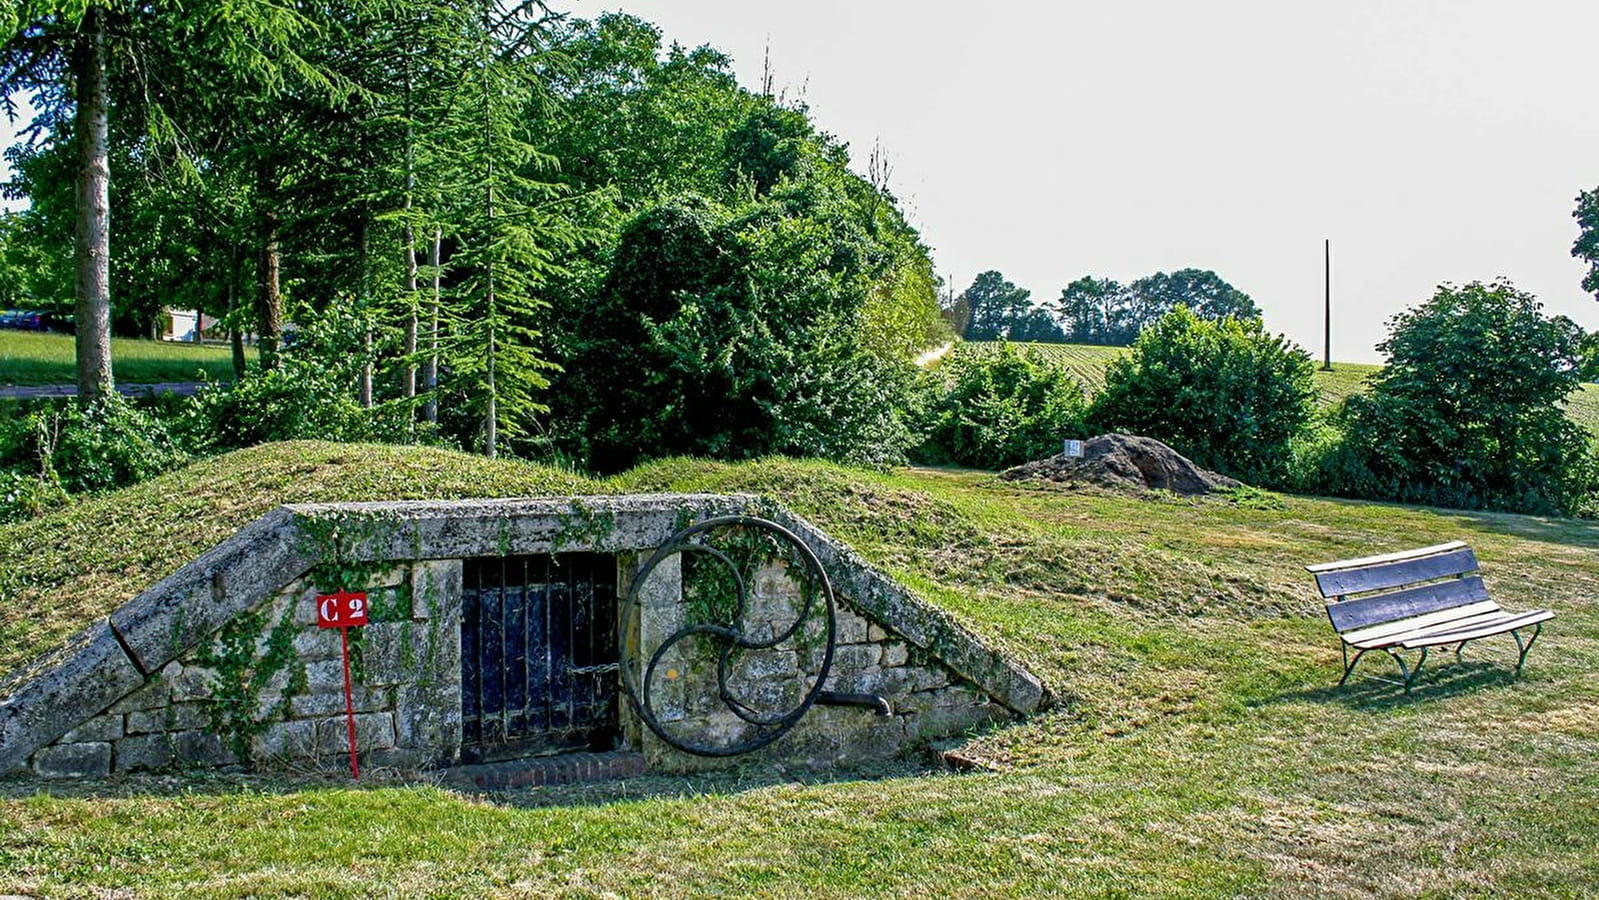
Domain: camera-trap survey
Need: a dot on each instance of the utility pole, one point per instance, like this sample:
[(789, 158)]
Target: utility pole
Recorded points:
[(1326, 358)]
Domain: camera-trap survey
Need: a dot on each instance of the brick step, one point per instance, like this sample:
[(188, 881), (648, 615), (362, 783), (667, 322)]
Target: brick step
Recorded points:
[(538, 771)]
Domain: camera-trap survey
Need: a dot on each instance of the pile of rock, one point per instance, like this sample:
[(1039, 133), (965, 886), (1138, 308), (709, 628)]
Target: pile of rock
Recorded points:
[(1123, 461)]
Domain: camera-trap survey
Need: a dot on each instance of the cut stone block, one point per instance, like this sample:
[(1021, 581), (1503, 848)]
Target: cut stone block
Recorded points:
[(177, 717), (104, 727), (87, 760)]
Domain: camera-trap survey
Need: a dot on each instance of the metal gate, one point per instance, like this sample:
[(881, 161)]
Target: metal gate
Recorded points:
[(538, 655)]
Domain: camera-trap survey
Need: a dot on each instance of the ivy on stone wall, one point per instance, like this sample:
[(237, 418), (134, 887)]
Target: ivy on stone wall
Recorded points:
[(233, 708)]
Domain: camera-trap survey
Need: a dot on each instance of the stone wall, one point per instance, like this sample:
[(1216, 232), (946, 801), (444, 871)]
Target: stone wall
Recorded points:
[(927, 699), (406, 690)]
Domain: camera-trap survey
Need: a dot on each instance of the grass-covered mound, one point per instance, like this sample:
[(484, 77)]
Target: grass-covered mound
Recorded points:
[(1201, 751), (60, 571)]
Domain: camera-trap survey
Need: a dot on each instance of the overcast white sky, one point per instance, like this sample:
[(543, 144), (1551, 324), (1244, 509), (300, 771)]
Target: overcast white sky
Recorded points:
[(1430, 141)]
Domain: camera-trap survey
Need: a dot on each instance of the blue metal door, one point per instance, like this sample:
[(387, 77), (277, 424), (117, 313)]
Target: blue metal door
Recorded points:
[(538, 655)]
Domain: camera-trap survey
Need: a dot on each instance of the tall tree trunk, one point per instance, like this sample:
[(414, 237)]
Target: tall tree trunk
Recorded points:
[(93, 228), (411, 325), (235, 333), (430, 368), (491, 425), (410, 255), (268, 299), (364, 303)]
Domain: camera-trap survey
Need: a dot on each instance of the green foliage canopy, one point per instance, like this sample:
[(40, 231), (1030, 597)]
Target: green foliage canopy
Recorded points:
[(1468, 411), (993, 309), (1586, 247), (1227, 394), (1104, 311), (749, 294), (999, 409)]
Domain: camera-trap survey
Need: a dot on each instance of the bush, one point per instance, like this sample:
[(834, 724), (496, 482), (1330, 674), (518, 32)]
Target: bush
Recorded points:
[(311, 396), (24, 496), (1468, 412), (998, 409), (732, 336), (108, 444), (284, 404), (1226, 394)]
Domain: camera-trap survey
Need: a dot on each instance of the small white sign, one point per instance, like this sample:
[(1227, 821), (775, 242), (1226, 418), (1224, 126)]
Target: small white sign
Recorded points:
[(1074, 448)]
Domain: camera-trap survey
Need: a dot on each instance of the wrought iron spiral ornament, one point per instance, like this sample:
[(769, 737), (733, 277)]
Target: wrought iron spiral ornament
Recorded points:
[(817, 596)]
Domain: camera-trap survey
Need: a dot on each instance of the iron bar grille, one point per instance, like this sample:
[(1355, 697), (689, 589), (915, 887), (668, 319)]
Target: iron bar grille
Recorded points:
[(538, 655)]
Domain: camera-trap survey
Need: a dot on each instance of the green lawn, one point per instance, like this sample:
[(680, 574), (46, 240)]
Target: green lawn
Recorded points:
[(1198, 751), (31, 358)]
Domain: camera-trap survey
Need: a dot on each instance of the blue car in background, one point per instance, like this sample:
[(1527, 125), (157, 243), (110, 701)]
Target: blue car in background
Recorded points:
[(25, 319)]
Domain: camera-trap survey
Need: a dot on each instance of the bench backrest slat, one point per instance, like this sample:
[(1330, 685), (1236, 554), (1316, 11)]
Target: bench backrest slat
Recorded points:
[(1341, 582), (1347, 615)]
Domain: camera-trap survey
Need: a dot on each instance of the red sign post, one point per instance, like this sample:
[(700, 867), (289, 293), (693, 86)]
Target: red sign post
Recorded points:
[(344, 610)]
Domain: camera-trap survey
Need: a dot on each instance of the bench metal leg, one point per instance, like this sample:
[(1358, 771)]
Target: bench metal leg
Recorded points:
[(1524, 647), (1459, 647), (1409, 675), (1349, 664)]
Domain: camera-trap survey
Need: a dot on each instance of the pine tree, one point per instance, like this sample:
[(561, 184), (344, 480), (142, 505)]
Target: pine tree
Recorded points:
[(509, 229)]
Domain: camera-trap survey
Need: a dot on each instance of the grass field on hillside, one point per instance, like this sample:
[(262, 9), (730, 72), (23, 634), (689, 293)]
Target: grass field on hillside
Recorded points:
[(1087, 364), (1199, 750), (32, 358)]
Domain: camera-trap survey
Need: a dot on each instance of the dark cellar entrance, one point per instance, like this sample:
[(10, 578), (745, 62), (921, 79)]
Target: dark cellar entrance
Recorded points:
[(538, 655)]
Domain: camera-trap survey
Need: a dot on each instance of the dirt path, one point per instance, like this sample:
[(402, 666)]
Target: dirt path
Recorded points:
[(37, 391), (934, 355)]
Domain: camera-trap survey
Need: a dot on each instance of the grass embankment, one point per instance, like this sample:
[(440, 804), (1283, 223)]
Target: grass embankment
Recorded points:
[(1200, 751), (30, 358)]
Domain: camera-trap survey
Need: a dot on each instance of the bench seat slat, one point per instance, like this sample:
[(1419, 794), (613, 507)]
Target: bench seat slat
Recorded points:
[(1520, 620), (1452, 619), (1382, 576), (1348, 615), (1384, 558)]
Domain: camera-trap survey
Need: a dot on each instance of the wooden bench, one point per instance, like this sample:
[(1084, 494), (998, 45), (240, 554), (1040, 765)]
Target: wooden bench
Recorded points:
[(1416, 600)]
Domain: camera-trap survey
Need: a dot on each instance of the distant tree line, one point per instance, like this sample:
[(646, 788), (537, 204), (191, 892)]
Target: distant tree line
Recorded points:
[(1092, 310), (1469, 411)]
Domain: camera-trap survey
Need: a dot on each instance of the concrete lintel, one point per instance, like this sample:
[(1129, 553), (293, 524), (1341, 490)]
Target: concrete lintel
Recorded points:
[(458, 529), (189, 605)]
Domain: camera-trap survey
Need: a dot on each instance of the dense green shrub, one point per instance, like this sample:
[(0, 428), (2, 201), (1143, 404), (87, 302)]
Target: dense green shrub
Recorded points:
[(283, 404), (1227, 394), (990, 410), (1468, 412), (312, 395), (733, 334), (110, 443)]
